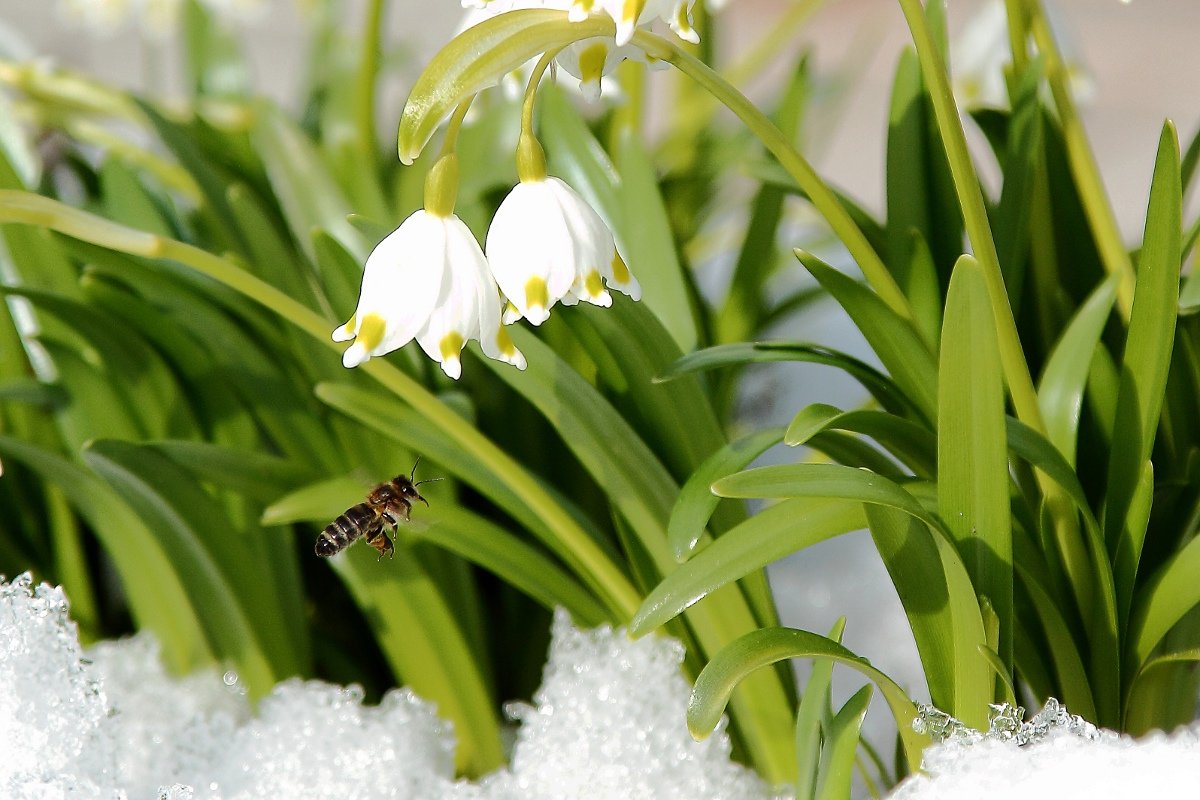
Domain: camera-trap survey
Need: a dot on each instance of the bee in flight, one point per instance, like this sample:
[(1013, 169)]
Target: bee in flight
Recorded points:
[(387, 504)]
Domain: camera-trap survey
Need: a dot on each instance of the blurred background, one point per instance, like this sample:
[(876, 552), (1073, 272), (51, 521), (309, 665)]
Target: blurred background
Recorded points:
[(1137, 64)]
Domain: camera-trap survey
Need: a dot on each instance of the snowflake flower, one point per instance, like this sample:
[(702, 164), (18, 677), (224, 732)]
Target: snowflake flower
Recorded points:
[(427, 280), (546, 245)]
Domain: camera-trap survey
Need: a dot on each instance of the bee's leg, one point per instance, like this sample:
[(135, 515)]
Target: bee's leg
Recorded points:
[(378, 539)]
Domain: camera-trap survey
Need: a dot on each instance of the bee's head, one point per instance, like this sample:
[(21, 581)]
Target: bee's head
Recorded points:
[(408, 487)]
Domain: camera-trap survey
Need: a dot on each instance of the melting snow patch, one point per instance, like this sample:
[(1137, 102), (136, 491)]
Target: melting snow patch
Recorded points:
[(1054, 755), (607, 723)]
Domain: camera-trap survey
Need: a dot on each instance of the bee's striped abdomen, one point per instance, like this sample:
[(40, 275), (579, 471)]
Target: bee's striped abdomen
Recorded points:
[(345, 529)]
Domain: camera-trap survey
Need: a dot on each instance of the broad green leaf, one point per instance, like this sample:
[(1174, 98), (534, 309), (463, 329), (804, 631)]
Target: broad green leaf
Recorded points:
[(1147, 356), (513, 560), (675, 419), (899, 345), (824, 481), (1162, 601), (211, 178), (764, 538), (219, 411), (913, 444), (1060, 390), (972, 451), (943, 612), (881, 387), (70, 563), (744, 308), (1021, 160), (1125, 569), (319, 502), (649, 246), (696, 502), (1073, 682), (253, 474), (129, 202), (477, 58), (1140, 708), (907, 192), (837, 772), (272, 257), (33, 392), (770, 645), (854, 451), (95, 405), (924, 290)]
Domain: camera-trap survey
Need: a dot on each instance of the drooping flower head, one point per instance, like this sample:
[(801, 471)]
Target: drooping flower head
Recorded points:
[(546, 244), (428, 280)]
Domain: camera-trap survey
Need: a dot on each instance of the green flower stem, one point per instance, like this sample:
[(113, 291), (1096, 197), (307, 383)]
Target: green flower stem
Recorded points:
[(1095, 200), (531, 159), (970, 198), (822, 198), (572, 544), (368, 75), (441, 183), (1018, 34)]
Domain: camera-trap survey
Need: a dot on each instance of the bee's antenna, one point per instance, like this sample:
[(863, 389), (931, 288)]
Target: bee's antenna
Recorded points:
[(413, 474), (427, 480)]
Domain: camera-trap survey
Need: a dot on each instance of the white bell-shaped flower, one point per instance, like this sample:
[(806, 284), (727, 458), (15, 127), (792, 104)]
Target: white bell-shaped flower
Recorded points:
[(546, 245), (427, 280)]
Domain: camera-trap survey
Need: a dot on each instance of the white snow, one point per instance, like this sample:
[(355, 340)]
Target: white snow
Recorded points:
[(1054, 756), (606, 723)]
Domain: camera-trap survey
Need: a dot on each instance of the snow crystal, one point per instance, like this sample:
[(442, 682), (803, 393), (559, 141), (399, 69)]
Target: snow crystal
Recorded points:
[(1053, 755), (51, 707), (607, 723)]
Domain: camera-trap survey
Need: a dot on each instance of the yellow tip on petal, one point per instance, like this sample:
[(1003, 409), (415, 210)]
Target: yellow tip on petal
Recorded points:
[(505, 344), (537, 298), (593, 284), (591, 62), (370, 332), (451, 345), (508, 350), (620, 272)]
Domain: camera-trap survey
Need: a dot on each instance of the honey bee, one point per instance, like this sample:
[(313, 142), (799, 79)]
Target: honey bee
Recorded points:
[(387, 504)]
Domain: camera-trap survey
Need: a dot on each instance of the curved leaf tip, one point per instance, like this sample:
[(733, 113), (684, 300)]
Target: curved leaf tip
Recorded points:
[(478, 58)]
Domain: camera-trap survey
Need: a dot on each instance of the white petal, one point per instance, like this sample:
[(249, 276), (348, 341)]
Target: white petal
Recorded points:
[(403, 281), (529, 239)]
